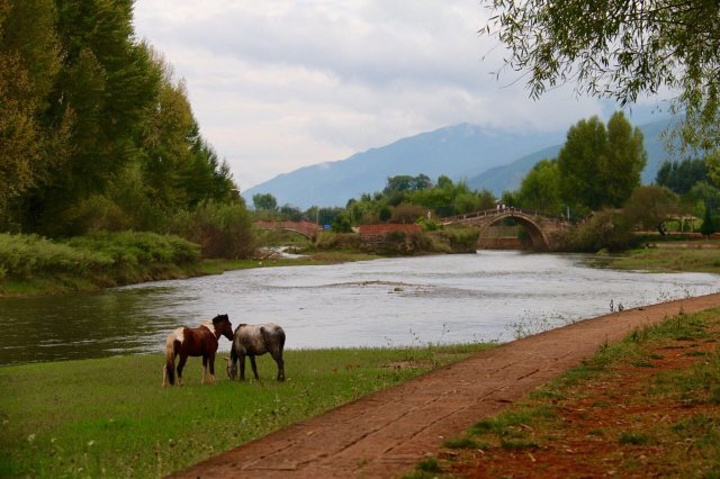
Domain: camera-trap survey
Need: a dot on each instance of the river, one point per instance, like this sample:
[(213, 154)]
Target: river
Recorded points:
[(490, 296)]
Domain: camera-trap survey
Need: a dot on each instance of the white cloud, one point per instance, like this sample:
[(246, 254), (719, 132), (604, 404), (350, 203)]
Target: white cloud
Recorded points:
[(282, 84)]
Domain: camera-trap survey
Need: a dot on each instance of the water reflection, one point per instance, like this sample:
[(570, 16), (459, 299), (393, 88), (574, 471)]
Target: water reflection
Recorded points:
[(399, 301)]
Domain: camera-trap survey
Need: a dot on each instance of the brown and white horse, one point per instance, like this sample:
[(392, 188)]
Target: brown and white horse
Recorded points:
[(200, 341)]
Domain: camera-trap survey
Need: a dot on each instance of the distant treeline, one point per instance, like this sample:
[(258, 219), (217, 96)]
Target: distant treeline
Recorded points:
[(96, 133)]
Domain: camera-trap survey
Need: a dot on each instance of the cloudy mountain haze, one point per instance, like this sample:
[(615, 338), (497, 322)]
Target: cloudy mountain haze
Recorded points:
[(286, 84)]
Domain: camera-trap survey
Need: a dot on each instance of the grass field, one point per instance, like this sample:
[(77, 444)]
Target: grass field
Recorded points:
[(111, 418), (671, 258)]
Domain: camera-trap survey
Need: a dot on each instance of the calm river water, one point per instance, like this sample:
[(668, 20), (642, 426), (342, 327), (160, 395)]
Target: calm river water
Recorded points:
[(491, 296)]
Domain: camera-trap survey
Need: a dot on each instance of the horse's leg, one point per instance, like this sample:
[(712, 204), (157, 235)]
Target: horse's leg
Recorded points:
[(180, 367), (232, 373), (241, 358), (277, 356), (254, 366), (211, 361), (205, 363)]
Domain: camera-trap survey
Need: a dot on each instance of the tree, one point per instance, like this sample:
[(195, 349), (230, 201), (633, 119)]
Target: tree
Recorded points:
[(708, 225), (264, 202), (30, 147), (540, 189), (599, 167), (619, 49), (680, 177), (650, 206)]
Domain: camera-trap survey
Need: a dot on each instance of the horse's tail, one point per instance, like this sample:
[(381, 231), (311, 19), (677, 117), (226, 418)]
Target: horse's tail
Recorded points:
[(281, 339), (169, 371)]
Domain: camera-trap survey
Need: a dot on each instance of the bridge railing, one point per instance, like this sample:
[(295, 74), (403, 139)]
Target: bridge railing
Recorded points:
[(507, 211)]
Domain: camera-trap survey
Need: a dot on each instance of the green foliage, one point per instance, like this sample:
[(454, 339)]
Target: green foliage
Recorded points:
[(403, 183), (407, 213), (708, 226), (604, 230), (24, 256), (30, 148), (680, 177), (341, 224), (704, 196), (95, 133), (650, 206), (459, 239), (599, 167), (112, 254), (621, 50), (406, 199), (540, 189), (264, 202), (132, 248), (223, 230)]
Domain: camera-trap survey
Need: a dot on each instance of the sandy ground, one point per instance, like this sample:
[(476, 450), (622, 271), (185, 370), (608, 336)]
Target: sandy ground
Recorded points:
[(386, 433)]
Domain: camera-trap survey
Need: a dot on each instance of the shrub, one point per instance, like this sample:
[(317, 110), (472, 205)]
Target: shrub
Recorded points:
[(22, 256), (139, 248), (222, 230), (605, 229)]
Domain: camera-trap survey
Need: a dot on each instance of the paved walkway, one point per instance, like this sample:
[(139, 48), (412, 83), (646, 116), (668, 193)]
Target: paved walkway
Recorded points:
[(386, 433)]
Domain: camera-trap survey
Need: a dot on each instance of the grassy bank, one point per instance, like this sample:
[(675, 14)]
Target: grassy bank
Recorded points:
[(648, 406), (673, 257), (110, 417), (31, 265)]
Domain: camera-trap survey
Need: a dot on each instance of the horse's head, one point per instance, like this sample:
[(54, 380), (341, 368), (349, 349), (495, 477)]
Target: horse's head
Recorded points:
[(231, 369), (222, 325)]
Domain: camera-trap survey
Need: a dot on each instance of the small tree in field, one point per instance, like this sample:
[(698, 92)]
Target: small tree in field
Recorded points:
[(708, 226)]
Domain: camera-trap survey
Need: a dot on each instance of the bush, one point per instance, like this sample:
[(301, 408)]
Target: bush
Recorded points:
[(131, 248), (338, 241), (604, 230), (22, 256), (222, 230), (459, 240)]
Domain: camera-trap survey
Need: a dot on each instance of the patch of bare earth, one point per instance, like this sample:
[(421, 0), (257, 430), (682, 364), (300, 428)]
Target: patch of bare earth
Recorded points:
[(620, 424)]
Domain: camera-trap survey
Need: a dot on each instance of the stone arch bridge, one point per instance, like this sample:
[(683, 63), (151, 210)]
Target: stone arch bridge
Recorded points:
[(543, 230), (305, 228)]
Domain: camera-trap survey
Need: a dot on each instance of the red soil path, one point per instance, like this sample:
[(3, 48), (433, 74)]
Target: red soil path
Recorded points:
[(386, 433)]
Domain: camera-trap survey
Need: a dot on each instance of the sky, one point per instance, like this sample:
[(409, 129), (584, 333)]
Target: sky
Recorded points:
[(280, 84)]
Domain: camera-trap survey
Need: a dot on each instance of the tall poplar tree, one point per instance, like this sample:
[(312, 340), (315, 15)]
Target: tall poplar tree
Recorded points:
[(599, 167)]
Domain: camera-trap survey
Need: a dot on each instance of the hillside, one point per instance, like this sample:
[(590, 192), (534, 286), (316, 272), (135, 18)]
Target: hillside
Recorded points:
[(460, 151), (488, 159)]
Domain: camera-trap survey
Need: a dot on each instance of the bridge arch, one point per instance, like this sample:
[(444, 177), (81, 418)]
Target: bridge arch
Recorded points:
[(539, 227), (304, 228), (538, 237)]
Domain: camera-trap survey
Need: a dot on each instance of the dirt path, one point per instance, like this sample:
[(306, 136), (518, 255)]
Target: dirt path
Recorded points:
[(386, 433)]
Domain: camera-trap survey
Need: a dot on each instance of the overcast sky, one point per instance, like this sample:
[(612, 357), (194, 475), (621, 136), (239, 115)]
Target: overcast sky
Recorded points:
[(281, 84)]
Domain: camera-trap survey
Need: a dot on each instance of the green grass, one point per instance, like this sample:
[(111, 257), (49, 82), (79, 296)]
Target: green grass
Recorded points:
[(670, 259), (110, 417)]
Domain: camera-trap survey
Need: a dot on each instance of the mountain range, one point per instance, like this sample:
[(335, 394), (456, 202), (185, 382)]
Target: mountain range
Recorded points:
[(484, 158)]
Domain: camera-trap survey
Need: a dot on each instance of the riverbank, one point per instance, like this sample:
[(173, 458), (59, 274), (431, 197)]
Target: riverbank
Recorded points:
[(110, 417), (127, 269), (672, 256)]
